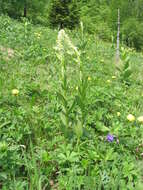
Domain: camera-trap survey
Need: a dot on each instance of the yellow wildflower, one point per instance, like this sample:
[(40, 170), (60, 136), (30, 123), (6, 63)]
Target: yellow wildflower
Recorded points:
[(15, 92), (140, 119), (89, 78), (77, 88), (118, 114), (109, 81), (130, 117), (113, 77)]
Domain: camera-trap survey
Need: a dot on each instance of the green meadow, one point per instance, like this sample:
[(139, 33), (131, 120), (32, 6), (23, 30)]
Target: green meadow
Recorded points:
[(71, 118)]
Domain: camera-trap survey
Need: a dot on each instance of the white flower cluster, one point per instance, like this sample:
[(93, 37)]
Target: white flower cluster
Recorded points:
[(64, 45)]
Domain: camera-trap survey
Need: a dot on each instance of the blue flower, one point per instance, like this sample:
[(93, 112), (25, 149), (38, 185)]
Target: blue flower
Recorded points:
[(110, 138)]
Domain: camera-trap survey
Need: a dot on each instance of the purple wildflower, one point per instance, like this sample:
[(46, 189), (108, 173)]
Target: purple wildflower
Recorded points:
[(110, 138)]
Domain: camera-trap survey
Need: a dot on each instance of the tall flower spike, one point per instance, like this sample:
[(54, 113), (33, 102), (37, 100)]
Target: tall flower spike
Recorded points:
[(64, 45)]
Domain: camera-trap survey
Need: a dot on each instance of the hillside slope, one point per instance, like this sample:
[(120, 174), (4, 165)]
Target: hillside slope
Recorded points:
[(34, 154)]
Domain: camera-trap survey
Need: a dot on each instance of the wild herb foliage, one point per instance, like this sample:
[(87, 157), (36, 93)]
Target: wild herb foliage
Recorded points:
[(67, 119)]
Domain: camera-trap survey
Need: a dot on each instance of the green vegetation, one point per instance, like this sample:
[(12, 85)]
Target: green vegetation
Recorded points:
[(34, 10), (98, 16), (69, 119)]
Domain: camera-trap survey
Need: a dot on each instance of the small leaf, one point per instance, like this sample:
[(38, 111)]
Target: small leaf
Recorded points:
[(72, 106), (3, 175), (62, 99), (127, 59), (63, 119), (126, 66), (101, 127), (127, 73), (79, 102), (78, 129), (4, 124)]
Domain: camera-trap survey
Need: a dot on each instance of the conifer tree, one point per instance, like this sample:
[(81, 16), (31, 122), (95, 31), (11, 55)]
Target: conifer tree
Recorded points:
[(64, 13)]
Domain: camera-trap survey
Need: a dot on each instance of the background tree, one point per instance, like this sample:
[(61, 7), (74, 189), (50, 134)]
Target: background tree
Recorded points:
[(31, 9), (64, 13)]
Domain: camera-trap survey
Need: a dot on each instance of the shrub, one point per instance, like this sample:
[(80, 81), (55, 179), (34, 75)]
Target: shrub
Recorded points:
[(132, 33)]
